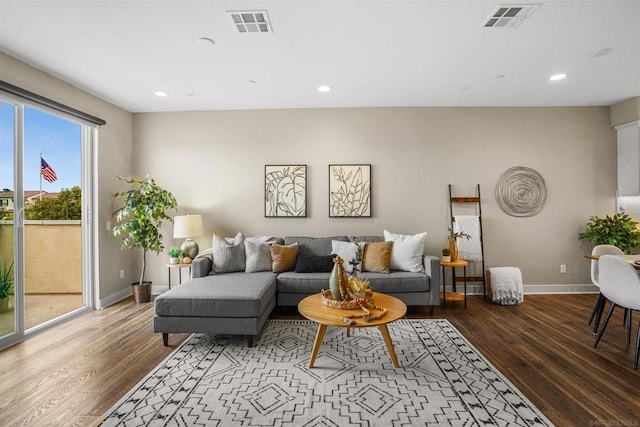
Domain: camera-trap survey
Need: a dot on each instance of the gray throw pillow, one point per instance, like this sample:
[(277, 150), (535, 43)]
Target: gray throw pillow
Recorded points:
[(228, 254), (258, 256)]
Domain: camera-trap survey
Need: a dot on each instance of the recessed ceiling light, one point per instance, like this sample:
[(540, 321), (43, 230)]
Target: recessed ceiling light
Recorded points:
[(160, 93), (324, 88), (205, 41), (557, 77)]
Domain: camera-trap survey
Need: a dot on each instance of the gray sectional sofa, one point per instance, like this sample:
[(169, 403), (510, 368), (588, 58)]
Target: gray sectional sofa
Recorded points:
[(240, 303)]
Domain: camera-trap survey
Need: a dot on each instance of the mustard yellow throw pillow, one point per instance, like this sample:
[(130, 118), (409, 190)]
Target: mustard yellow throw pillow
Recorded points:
[(284, 257), (376, 257)]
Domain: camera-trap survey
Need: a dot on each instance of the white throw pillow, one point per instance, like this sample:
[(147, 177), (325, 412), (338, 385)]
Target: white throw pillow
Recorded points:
[(407, 251), (346, 251)]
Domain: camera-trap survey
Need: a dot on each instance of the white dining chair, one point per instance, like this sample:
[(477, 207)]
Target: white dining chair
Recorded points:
[(619, 283), (600, 250)]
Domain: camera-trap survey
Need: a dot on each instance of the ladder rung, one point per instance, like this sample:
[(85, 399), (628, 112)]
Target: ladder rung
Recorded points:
[(465, 199), (470, 279)]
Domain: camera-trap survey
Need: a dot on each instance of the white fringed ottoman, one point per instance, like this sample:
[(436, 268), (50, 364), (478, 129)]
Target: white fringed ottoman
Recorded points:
[(505, 285)]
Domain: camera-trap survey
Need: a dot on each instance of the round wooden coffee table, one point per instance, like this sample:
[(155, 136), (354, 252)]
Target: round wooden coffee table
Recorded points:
[(312, 308)]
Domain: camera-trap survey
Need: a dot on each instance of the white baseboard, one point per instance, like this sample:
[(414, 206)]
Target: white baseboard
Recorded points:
[(114, 298), (561, 289)]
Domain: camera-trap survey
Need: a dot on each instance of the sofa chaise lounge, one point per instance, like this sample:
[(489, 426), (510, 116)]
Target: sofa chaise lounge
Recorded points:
[(239, 302)]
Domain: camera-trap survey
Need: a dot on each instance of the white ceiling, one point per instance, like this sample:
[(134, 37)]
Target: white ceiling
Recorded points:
[(372, 53)]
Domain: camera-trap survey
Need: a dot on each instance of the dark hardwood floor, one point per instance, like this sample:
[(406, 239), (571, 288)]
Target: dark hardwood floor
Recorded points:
[(72, 374)]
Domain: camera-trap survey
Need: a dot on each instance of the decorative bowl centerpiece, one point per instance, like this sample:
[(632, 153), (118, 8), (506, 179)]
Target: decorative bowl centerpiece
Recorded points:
[(346, 293)]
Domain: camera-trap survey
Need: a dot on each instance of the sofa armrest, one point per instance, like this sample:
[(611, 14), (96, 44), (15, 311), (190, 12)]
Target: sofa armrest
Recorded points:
[(201, 267), (432, 269)]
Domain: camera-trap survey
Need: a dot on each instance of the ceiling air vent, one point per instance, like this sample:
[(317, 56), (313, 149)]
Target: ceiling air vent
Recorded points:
[(246, 21), (509, 15)]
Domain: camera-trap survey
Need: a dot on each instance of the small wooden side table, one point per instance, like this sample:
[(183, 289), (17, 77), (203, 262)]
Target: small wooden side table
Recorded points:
[(179, 267), (454, 296)]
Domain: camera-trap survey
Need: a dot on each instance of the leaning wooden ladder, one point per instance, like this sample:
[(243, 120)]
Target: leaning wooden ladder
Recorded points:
[(453, 201)]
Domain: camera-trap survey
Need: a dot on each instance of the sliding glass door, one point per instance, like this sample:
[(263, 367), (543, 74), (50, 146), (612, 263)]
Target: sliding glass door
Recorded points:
[(44, 238), (8, 317)]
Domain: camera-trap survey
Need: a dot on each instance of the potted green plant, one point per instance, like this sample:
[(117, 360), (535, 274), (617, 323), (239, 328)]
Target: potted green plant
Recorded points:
[(446, 255), (174, 255), (6, 285), (618, 230), (138, 221)]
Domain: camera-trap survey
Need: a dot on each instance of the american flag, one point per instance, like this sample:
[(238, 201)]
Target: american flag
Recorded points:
[(47, 171)]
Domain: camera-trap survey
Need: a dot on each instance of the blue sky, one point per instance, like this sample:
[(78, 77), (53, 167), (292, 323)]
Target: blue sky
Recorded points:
[(58, 140)]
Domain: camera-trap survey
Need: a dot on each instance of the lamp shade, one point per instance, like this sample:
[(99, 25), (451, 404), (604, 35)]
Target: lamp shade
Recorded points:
[(185, 226)]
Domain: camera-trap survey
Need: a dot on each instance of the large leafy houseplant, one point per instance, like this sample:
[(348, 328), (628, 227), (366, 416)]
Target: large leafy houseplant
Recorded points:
[(618, 230), (138, 220)]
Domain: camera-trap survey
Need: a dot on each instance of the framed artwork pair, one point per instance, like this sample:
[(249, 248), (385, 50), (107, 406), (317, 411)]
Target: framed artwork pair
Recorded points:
[(285, 191)]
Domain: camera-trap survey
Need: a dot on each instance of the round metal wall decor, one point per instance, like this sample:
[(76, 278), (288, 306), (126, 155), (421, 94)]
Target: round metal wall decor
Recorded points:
[(521, 191)]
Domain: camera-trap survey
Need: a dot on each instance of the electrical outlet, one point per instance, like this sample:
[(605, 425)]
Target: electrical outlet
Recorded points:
[(563, 268), (108, 226), (122, 274)]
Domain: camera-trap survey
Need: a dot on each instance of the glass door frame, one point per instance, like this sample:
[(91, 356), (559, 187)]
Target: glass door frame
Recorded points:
[(88, 184)]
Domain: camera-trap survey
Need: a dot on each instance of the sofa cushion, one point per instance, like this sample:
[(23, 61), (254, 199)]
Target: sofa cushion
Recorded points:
[(376, 257), (314, 264), (258, 256), (407, 251), (284, 257), (314, 245), (228, 254), (346, 251), (224, 295), (397, 282)]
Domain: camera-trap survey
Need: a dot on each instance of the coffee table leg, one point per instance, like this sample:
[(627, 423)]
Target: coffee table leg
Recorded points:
[(387, 340), (317, 343)]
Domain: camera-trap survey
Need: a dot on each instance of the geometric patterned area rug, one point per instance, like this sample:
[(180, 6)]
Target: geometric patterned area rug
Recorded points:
[(218, 381)]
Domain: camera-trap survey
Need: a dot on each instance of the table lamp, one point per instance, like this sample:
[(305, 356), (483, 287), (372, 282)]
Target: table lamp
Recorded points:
[(188, 226)]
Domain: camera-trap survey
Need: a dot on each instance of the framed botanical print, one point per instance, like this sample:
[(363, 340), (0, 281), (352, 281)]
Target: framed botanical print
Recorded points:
[(285, 191), (349, 191)]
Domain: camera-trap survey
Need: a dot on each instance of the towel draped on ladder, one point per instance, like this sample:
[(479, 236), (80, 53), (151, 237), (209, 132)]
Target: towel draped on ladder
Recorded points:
[(469, 249)]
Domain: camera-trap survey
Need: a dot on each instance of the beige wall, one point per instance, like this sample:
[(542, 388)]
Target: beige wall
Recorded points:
[(213, 162), (113, 158)]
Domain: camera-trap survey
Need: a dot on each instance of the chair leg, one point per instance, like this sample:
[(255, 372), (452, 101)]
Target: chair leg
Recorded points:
[(604, 325), (601, 303), (628, 326), (595, 308), (637, 348)]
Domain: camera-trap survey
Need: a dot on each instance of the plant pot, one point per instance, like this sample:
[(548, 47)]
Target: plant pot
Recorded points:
[(174, 260), (446, 258), (141, 294), (4, 305)]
